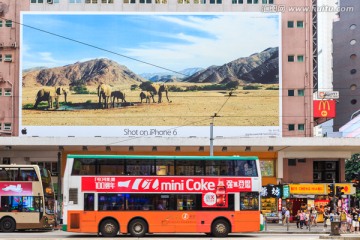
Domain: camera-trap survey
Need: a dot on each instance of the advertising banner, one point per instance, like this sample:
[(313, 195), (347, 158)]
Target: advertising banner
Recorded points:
[(324, 108), (149, 184), (16, 189), (150, 74)]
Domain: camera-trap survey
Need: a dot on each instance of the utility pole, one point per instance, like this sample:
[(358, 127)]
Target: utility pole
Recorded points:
[(212, 138)]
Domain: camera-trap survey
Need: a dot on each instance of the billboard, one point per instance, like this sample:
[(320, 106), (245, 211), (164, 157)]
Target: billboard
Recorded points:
[(150, 74)]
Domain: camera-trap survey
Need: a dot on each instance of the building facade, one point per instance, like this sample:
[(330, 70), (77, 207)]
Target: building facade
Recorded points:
[(346, 36), (300, 164)]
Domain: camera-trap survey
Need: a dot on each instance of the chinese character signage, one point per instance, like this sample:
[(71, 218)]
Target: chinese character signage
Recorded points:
[(286, 192), (272, 191), (324, 108), (149, 184)]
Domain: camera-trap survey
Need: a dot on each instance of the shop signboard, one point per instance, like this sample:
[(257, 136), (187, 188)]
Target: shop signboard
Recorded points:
[(286, 192), (271, 191), (307, 188)]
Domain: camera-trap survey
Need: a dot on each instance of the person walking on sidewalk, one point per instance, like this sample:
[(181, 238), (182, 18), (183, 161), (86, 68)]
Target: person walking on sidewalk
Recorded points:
[(326, 218), (286, 216), (302, 219), (355, 221), (297, 218)]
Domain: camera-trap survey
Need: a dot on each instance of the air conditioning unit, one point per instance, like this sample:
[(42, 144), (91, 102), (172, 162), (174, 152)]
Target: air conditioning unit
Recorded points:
[(329, 176), (330, 165), (50, 1), (14, 45), (7, 59), (1, 44), (317, 176)]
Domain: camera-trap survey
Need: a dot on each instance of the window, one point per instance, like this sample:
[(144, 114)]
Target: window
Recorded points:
[(199, 1), (161, 1), (352, 42), (0, 57), (8, 23), (183, 1), (0, 91), (300, 24), (145, 1), (352, 71), (291, 58), (215, 1), (300, 58), (28, 174), (7, 92), (249, 1), (75, 1), (290, 24), (249, 201), (129, 1), (301, 92), (20, 204), (264, 1), (256, 1), (352, 26), (37, 1), (353, 101), (8, 58), (271, 1), (89, 201), (107, 1), (353, 87), (1, 23), (91, 1), (7, 126), (353, 56), (51, 166), (301, 127), (291, 92), (291, 127), (291, 162)]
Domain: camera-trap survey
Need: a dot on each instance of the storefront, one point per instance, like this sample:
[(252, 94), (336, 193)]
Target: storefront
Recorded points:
[(271, 202), (304, 196)]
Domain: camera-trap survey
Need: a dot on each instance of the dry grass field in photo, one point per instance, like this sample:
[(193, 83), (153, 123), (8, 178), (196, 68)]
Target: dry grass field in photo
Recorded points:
[(243, 108)]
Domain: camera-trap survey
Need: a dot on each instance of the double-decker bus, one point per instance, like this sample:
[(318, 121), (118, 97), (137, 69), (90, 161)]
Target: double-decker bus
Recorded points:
[(27, 198), (112, 194)]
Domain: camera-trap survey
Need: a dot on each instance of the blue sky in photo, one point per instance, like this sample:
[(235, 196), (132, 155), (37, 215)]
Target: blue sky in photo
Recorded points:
[(174, 41)]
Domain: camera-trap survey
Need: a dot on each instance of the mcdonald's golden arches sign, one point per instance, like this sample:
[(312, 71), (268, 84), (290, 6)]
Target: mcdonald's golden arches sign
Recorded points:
[(324, 108)]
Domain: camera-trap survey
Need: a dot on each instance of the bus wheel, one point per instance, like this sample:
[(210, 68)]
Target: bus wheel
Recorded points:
[(220, 228), (7, 225), (137, 228), (109, 228)]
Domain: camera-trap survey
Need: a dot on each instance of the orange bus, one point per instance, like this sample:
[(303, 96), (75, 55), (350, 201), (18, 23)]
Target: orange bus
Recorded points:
[(27, 198), (112, 194)]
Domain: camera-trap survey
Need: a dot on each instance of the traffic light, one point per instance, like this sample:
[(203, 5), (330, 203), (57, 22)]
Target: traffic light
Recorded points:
[(330, 190), (339, 191)]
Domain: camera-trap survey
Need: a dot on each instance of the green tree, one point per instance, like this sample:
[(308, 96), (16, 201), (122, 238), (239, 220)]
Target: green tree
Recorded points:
[(352, 167)]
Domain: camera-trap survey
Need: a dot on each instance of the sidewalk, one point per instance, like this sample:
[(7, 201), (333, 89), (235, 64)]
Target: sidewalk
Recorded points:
[(283, 229)]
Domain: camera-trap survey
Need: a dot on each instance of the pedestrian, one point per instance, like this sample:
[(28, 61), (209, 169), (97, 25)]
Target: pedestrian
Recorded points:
[(326, 218), (287, 216), (355, 220), (297, 219), (302, 218), (314, 215), (343, 221)]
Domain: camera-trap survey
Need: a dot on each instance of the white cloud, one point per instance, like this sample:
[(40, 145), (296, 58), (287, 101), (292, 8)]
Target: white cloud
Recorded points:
[(224, 38)]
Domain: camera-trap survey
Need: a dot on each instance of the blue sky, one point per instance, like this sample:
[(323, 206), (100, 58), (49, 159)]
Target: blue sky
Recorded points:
[(174, 41)]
